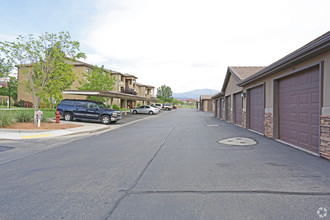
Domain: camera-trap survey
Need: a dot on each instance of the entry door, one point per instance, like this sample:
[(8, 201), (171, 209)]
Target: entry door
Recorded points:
[(256, 109), (299, 114), (238, 108)]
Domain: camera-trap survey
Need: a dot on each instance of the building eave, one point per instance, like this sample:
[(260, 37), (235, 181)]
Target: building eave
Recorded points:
[(314, 48)]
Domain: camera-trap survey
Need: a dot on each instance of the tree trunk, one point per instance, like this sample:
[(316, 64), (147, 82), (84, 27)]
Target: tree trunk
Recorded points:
[(35, 121)]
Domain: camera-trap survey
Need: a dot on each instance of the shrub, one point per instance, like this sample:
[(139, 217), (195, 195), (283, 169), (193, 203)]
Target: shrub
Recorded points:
[(115, 107), (28, 104), (20, 103), (130, 91), (42, 105), (45, 120), (23, 116), (5, 120), (139, 104)]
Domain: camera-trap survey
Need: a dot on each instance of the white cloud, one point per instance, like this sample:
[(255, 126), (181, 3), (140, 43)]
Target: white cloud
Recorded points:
[(6, 37), (188, 44), (95, 59)]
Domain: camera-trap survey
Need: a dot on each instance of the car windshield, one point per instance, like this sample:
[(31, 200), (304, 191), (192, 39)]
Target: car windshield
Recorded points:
[(101, 105)]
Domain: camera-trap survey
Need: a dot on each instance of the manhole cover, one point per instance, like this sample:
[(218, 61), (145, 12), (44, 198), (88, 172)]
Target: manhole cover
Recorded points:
[(239, 141), (4, 148)]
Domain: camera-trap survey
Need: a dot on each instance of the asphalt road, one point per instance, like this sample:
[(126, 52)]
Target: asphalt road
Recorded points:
[(168, 167)]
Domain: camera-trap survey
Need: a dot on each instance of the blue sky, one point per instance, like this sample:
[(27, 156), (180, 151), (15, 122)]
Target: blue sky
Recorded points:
[(39, 16), (186, 44)]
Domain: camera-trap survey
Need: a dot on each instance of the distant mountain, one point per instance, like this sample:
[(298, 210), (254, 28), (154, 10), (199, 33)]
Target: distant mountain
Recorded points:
[(194, 94)]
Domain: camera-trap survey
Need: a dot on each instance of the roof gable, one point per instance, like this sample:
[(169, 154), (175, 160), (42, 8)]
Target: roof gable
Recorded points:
[(203, 97), (240, 73)]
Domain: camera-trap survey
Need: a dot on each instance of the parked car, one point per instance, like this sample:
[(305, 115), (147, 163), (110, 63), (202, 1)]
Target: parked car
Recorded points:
[(153, 105), (71, 109), (158, 105), (167, 106), (175, 106), (145, 109)]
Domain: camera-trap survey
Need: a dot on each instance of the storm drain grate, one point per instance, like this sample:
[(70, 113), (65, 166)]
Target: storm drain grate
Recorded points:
[(238, 141), (2, 148)]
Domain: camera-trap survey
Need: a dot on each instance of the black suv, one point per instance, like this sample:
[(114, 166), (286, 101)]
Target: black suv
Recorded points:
[(87, 110)]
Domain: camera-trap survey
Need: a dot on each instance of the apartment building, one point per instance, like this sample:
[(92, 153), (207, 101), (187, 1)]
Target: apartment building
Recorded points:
[(125, 84)]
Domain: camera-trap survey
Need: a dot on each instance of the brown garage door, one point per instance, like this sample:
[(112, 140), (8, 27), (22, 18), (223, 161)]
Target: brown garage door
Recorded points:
[(299, 109), (209, 105), (216, 109), (256, 109), (228, 108), (221, 108), (238, 108)]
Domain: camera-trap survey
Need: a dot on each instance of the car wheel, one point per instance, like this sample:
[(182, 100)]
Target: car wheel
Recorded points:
[(67, 116), (151, 113), (105, 119), (134, 112)]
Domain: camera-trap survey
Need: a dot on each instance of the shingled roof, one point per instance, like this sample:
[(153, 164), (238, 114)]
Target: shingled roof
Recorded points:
[(243, 72), (205, 97), (240, 73)]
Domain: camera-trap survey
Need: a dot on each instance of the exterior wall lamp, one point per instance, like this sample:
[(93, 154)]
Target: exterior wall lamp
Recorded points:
[(243, 94)]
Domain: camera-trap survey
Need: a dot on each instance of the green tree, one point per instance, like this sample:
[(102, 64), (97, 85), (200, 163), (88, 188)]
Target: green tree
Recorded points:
[(46, 62), (61, 78), (13, 88), (5, 68), (164, 93), (175, 101), (98, 79)]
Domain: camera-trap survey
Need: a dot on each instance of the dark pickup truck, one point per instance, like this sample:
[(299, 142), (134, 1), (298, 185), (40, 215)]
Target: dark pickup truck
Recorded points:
[(87, 110)]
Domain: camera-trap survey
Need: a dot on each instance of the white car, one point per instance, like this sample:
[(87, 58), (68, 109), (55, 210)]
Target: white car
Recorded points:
[(145, 109), (158, 105), (168, 107)]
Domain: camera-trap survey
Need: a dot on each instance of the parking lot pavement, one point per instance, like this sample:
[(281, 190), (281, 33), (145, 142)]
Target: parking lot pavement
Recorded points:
[(129, 118)]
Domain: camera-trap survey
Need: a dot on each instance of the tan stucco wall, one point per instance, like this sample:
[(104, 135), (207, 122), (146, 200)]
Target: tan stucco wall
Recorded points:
[(231, 89), (141, 91), (78, 71), (269, 81), (21, 93)]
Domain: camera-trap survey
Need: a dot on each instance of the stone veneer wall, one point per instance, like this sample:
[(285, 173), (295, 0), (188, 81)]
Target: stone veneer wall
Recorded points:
[(325, 136), (243, 119), (268, 124)]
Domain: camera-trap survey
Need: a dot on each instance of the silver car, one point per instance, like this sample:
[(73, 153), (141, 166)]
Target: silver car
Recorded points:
[(145, 109)]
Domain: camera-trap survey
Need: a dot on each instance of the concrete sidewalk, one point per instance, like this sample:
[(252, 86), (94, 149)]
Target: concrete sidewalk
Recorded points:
[(87, 127)]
